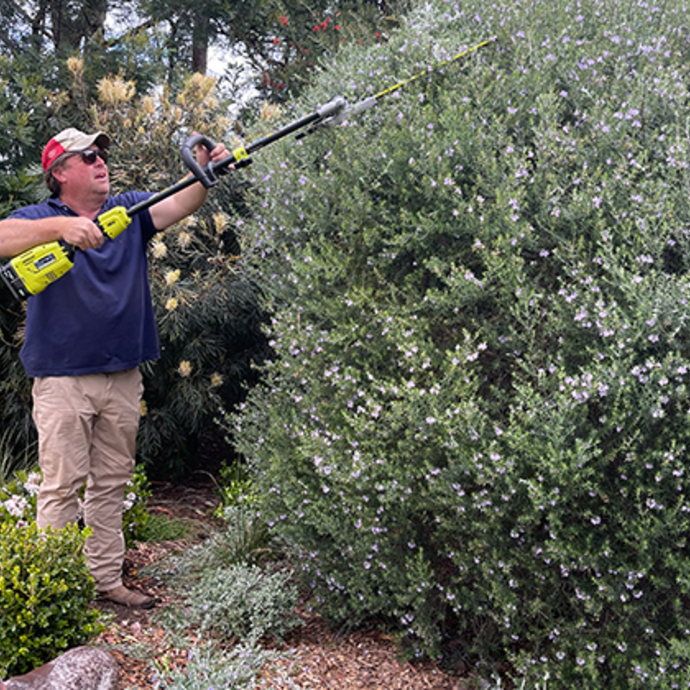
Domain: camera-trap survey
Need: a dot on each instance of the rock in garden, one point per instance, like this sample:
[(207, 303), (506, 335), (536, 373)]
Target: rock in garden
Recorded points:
[(82, 668)]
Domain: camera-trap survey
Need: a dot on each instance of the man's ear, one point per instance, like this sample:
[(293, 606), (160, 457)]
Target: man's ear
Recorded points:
[(59, 174)]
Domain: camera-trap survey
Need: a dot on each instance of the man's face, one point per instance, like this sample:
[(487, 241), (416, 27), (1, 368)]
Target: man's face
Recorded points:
[(84, 173)]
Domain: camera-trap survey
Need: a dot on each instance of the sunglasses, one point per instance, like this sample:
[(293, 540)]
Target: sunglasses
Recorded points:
[(90, 156)]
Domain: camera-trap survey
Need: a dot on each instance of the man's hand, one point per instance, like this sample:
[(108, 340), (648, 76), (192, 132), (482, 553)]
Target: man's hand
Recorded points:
[(80, 232), (19, 234), (186, 201), (218, 154)]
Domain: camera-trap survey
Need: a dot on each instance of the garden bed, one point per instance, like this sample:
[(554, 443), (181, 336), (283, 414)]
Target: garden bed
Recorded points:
[(315, 657)]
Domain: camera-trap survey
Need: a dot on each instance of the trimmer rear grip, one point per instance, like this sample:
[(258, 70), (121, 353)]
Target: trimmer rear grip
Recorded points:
[(33, 270)]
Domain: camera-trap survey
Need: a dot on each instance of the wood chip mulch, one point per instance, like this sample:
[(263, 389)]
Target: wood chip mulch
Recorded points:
[(314, 657)]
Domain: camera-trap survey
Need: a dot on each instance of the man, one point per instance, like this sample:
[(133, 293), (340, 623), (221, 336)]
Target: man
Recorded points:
[(86, 335)]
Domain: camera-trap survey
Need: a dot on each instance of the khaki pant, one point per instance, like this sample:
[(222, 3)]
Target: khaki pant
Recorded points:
[(87, 427)]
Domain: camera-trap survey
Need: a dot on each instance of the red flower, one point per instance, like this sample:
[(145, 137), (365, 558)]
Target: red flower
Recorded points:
[(276, 41), (284, 20)]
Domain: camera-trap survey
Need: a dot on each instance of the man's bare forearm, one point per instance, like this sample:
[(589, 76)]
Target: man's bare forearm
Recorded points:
[(19, 234)]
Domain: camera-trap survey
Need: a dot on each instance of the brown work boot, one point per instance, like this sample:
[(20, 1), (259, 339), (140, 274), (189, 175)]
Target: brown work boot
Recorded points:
[(127, 597)]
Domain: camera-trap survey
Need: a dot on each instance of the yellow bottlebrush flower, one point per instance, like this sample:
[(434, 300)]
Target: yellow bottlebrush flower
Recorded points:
[(216, 380), (172, 304), (199, 86), (143, 409), (185, 368), (114, 90), (158, 249), (75, 65), (184, 239), (171, 277), (220, 220), (148, 105), (269, 112)]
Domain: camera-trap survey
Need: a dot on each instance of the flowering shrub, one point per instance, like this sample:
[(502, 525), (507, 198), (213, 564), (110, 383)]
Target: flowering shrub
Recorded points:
[(476, 424), (305, 37), (18, 502), (18, 498)]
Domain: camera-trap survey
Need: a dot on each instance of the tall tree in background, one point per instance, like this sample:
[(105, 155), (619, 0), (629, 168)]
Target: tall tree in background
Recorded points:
[(75, 21), (60, 25), (282, 42)]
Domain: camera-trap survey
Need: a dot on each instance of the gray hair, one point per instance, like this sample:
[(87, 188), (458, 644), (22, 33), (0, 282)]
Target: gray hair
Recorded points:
[(53, 184)]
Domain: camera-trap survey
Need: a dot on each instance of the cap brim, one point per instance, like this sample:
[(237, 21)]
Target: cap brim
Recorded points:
[(102, 140)]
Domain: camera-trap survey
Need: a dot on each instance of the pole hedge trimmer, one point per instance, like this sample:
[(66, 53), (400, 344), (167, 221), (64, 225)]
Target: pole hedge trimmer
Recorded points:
[(35, 269)]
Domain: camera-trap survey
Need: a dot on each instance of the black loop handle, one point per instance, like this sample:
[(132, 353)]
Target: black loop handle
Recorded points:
[(205, 175)]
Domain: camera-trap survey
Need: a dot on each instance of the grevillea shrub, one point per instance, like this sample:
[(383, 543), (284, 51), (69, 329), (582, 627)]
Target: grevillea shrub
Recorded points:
[(476, 425)]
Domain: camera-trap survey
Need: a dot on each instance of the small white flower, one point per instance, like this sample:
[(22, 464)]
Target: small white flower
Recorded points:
[(15, 506), (33, 483)]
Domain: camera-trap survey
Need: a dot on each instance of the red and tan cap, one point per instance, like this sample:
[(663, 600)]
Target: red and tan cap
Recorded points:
[(71, 140)]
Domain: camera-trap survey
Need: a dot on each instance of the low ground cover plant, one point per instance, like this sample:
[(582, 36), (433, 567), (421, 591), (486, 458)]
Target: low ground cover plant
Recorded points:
[(241, 668), (475, 424), (232, 587)]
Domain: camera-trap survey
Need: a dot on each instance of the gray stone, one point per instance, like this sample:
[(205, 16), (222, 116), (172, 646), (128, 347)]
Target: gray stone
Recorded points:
[(82, 668)]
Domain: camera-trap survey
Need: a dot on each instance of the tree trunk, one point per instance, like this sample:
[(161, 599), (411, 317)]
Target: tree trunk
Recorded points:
[(75, 22), (200, 42)]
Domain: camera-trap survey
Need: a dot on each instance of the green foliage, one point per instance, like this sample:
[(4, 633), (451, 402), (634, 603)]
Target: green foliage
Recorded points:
[(27, 101), (12, 458), (223, 589), (45, 591), (136, 518), (234, 487), (161, 528), (242, 602), (243, 539), (240, 669), (15, 388), (476, 422)]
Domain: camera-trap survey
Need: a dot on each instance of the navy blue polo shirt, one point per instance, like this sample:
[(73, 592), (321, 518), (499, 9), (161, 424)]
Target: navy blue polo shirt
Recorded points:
[(98, 317)]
